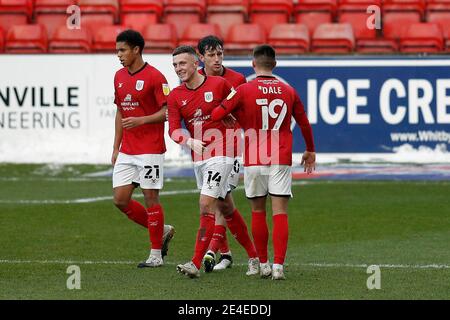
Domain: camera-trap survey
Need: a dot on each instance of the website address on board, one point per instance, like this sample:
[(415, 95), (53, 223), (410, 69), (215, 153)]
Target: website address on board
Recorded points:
[(421, 136)]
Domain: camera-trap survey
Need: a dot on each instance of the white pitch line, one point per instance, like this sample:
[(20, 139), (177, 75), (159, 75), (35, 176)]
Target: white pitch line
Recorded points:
[(109, 198), (318, 265)]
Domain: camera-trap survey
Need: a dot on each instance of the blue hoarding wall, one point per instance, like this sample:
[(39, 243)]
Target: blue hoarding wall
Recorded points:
[(369, 105)]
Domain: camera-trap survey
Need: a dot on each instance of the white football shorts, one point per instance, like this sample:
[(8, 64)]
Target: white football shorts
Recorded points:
[(233, 178), (260, 181), (212, 176), (147, 170)]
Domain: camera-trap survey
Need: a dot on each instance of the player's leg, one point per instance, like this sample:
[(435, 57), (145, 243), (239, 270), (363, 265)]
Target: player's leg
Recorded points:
[(210, 181), (238, 228), (125, 174), (219, 242), (204, 234), (233, 181), (280, 191), (219, 236), (256, 190), (151, 179)]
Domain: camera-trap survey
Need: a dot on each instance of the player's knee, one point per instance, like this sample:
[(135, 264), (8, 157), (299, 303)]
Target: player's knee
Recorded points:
[(121, 204), (151, 201), (225, 208), (206, 207)]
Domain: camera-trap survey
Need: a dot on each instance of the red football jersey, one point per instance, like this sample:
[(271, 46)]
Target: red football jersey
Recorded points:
[(264, 107), (194, 107), (233, 77), (136, 95)]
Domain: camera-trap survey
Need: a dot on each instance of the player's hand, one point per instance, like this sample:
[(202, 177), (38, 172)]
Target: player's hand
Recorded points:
[(132, 122), (114, 156), (229, 121), (309, 161), (197, 146)]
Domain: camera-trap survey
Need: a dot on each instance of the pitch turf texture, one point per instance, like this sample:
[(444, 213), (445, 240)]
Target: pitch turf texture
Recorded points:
[(337, 229)]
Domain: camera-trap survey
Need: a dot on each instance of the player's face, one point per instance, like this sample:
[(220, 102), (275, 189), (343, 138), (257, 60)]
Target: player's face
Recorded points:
[(185, 66), (213, 59), (126, 54)]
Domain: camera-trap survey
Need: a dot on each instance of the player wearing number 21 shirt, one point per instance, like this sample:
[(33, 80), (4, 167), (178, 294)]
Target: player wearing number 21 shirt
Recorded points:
[(213, 154), (264, 107), (140, 92)]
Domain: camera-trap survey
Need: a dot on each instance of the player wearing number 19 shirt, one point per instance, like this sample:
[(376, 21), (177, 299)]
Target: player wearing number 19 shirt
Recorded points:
[(140, 92), (212, 153), (264, 107)]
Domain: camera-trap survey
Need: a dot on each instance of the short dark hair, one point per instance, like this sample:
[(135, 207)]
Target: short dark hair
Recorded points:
[(132, 38), (264, 56), (209, 43), (185, 49)]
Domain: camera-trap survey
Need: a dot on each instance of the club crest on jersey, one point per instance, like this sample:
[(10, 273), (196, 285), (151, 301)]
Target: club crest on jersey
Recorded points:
[(208, 96), (139, 85)]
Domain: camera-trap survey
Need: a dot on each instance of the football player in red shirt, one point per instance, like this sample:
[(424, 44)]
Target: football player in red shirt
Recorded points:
[(212, 152), (210, 50), (264, 107), (140, 92)]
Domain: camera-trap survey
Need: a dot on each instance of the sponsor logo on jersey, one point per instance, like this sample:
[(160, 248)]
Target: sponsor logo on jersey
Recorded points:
[(208, 96), (166, 89), (198, 113), (127, 98), (139, 85)]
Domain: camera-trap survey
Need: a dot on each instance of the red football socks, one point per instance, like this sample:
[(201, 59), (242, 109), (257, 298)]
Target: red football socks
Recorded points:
[(204, 236), (260, 234), (136, 212), (218, 237), (280, 237), (156, 226), (224, 248), (238, 229)]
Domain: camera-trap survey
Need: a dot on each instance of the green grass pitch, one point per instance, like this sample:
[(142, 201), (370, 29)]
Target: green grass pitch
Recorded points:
[(337, 229)]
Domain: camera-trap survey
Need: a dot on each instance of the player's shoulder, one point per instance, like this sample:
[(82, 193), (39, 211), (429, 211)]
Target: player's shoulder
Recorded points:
[(121, 72), (216, 79), (178, 90), (152, 70), (233, 72)]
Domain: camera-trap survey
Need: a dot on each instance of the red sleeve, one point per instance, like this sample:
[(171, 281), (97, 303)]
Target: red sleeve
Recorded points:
[(298, 111), (242, 79), (115, 91), (176, 132), (160, 89), (231, 102)]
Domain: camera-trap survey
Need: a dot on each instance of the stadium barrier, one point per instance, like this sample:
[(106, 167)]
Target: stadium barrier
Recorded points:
[(59, 108)]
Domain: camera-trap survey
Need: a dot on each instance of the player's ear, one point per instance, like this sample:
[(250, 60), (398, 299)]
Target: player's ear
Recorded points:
[(202, 58), (253, 63)]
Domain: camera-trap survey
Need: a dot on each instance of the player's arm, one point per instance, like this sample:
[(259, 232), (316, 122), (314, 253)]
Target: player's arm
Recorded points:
[(309, 156), (227, 106), (131, 122), (176, 132), (118, 131)]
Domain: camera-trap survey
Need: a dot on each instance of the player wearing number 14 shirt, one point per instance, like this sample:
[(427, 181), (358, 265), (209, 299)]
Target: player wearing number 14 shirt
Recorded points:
[(212, 152), (264, 107)]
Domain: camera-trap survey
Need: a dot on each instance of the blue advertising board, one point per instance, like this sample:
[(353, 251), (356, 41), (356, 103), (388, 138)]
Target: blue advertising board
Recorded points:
[(369, 105)]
